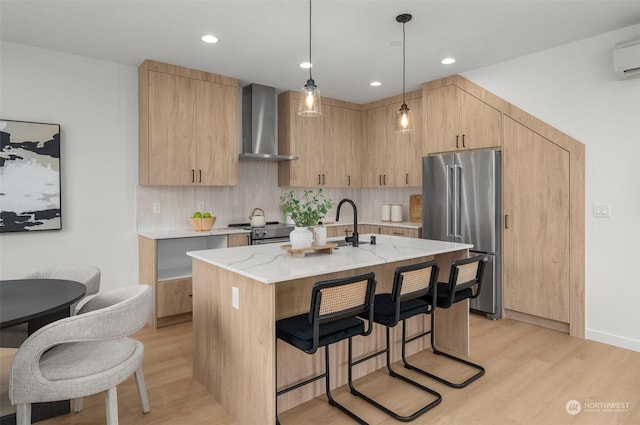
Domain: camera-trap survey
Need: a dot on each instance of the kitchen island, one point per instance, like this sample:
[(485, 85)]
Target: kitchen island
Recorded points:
[(240, 292)]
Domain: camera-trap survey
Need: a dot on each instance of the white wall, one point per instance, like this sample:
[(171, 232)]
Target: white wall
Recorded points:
[(573, 88), (95, 103)]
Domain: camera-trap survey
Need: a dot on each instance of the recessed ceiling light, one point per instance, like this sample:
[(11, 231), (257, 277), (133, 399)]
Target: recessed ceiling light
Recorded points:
[(210, 38), (375, 83), (448, 61), (305, 65)]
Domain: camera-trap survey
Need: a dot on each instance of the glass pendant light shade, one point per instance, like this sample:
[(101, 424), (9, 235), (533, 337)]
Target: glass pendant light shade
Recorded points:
[(309, 105), (404, 120), (310, 99)]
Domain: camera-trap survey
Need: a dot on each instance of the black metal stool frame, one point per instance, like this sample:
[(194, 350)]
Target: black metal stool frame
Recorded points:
[(316, 320), (452, 289), (397, 297)]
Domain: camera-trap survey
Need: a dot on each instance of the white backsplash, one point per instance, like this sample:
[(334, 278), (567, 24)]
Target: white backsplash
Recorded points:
[(257, 187)]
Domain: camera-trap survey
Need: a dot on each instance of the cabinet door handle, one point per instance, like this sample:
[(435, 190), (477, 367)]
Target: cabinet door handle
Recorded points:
[(323, 180), (457, 137), (191, 295), (199, 176), (506, 221), (348, 180), (193, 175), (380, 180), (406, 178), (384, 179), (463, 145), (318, 179), (398, 233)]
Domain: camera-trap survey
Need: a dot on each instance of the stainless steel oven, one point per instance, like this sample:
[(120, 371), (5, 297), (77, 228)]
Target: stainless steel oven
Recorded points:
[(272, 232)]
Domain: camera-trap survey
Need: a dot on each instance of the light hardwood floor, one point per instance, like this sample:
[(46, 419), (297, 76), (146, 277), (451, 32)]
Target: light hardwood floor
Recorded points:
[(532, 373)]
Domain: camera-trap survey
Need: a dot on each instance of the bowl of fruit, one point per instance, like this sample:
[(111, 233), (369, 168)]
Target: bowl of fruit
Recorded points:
[(202, 222)]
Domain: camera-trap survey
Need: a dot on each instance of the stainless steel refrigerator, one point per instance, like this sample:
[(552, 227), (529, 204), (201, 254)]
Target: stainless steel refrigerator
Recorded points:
[(461, 199)]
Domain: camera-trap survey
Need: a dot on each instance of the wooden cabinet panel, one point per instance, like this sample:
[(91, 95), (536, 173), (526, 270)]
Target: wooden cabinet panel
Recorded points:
[(187, 125), (216, 154), (172, 129), (173, 297), (326, 146), (390, 159), (239, 239), (399, 231), (536, 206), (456, 120)]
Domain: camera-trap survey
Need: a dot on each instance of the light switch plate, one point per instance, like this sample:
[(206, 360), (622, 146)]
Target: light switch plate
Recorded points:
[(201, 206), (602, 210)]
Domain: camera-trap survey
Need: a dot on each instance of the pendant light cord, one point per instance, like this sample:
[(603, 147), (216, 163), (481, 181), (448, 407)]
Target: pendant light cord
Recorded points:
[(310, 63), (403, 63)]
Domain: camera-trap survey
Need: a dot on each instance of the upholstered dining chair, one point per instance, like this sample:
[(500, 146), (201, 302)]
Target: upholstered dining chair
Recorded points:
[(86, 274), (84, 354)]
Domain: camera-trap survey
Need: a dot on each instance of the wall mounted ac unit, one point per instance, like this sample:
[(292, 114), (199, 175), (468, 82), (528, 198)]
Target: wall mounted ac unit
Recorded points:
[(626, 59)]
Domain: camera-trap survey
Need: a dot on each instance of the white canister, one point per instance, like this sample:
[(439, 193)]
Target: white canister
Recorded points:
[(386, 212), (396, 213), (321, 235)]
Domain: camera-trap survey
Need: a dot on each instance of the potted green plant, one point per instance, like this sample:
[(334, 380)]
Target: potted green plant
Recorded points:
[(305, 212)]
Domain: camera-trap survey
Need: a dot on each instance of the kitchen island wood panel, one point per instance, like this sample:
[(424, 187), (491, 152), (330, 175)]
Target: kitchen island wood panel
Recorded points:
[(234, 349)]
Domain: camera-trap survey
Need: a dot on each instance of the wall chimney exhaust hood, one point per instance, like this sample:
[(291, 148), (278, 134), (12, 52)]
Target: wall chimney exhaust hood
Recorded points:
[(259, 125)]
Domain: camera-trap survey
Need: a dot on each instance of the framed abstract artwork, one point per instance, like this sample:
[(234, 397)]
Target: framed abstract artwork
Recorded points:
[(29, 176)]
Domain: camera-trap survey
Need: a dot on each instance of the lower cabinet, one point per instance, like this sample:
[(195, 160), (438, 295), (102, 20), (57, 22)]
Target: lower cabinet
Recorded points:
[(166, 267), (335, 231)]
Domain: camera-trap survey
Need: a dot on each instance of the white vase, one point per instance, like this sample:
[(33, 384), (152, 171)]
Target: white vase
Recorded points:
[(301, 237)]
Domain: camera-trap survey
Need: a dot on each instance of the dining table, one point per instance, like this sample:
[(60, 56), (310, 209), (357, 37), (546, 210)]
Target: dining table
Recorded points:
[(36, 303)]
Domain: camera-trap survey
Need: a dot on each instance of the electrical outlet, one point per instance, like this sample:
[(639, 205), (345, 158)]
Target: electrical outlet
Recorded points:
[(602, 210), (201, 206), (157, 208), (235, 298)]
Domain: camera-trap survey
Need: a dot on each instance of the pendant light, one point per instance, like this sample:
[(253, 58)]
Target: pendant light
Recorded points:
[(310, 100), (404, 118)]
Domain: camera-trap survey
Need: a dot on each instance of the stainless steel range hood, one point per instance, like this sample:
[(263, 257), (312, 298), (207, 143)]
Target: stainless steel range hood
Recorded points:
[(259, 125)]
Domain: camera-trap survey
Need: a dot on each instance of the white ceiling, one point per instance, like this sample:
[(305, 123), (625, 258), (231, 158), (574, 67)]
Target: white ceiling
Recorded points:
[(353, 40)]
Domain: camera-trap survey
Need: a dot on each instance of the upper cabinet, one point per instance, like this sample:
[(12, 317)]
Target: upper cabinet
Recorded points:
[(457, 120), (188, 124), (390, 159), (326, 146)]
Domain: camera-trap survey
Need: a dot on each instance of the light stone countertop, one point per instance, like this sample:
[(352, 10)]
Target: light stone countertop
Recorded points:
[(270, 263), (190, 233)]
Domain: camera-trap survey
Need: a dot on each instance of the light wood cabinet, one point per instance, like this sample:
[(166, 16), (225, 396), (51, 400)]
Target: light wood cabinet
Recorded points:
[(543, 240), (536, 210), (335, 231), (326, 146), (390, 159), (165, 266), (238, 239), (457, 120), (188, 126)]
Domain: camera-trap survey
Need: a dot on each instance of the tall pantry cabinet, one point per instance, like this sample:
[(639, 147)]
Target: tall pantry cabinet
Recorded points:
[(188, 123)]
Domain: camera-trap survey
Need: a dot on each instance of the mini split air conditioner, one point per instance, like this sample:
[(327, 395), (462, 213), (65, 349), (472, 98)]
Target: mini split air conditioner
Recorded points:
[(626, 59)]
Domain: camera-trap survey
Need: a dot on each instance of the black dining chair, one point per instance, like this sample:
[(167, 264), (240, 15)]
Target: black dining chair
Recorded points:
[(411, 284), (333, 317), (465, 282)]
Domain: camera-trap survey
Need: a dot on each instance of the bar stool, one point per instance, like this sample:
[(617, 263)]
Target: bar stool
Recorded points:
[(465, 281), (410, 284), (335, 307)]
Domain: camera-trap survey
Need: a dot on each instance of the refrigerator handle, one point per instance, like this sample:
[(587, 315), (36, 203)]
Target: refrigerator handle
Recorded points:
[(448, 200), (458, 193)]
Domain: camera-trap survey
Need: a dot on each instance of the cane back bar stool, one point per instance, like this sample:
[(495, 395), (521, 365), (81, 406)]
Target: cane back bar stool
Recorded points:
[(410, 284), (465, 281), (333, 317)]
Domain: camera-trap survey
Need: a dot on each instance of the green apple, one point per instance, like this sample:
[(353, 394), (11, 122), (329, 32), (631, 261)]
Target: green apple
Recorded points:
[(197, 214), (206, 215)]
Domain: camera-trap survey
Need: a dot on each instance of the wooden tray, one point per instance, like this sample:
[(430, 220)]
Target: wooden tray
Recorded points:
[(302, 252)]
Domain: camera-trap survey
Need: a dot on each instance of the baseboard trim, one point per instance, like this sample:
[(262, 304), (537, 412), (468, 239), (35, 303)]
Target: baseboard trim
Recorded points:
[(615, 340)]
